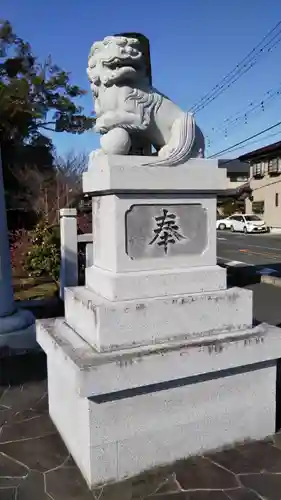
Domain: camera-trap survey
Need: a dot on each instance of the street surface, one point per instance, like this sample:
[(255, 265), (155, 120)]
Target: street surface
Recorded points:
[(260, 254), (260, 250)]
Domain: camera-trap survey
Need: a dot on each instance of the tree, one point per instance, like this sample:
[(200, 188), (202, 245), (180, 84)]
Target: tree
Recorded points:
[(34, 97), (45, 192)]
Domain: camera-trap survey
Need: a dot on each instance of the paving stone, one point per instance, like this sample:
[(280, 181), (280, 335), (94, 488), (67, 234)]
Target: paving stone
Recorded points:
[(277, 440), (232, 460), (66, 483), (249, 458), (11, 472), (31, 449), (266, 485), (20, 398), (5, 416), (8, 493), (170, 485), (202, 473), (139, 487), (262, 456), (42, 406), (194, 495), (148, 483), (41, 454), (2, 390), (114, 491), (37, 426), (242, 494), (32, 487)]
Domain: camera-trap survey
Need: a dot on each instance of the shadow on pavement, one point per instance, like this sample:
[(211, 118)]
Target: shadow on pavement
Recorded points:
[(249, 275), (266, 297), (30, 366)]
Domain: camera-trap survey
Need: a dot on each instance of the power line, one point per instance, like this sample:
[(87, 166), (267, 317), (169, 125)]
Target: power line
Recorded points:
[(218, 153), (245, 113), (241, 68), (250, 143)]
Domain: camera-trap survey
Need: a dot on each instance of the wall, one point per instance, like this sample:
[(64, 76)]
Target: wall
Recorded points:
[(265, 189)]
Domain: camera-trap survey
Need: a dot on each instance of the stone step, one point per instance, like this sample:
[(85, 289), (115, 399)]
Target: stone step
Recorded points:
[(108, 326), (124, 412)]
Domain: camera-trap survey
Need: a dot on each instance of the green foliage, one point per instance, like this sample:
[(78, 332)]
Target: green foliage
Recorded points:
[(34, 96), (230, 207), (43, 259)]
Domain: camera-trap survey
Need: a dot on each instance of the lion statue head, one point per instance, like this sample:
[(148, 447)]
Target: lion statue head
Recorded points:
[(115, 59)]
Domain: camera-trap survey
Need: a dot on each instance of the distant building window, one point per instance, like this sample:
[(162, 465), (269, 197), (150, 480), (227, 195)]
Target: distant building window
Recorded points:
[(274, 166), (258, 207), (277, 199), (258, 169), (264, 166)]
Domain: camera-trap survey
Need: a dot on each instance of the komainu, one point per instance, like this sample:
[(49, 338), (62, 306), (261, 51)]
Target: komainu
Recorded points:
[(129, 111)]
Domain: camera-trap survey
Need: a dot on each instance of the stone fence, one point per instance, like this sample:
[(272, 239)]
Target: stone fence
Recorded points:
[(70, 243)]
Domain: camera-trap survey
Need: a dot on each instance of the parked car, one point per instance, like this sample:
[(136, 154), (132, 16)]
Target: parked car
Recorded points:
[(243, 223)]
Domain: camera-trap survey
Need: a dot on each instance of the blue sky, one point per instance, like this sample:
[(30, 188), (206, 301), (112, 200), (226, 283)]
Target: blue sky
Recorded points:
[(193, 45)]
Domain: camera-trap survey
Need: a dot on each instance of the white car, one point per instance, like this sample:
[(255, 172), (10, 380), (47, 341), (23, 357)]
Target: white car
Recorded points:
[(243, 223)]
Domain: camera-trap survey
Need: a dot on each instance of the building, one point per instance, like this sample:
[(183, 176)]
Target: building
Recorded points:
[(237, 173), (265, 183), (233, 198)]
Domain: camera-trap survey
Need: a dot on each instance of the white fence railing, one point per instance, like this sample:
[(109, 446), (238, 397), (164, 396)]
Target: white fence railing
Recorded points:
[(69, 268)]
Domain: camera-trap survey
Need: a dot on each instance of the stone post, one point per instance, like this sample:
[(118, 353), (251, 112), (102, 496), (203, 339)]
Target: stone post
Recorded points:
[(17, 327), (69, 251)]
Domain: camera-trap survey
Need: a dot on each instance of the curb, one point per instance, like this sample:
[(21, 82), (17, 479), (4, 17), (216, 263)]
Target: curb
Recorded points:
[(240, 271), (271, 280)]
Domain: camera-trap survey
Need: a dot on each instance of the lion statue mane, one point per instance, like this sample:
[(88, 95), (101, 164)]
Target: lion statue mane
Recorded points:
[(133, 116)]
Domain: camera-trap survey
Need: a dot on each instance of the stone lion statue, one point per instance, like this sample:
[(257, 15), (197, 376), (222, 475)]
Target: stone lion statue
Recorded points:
[(133, 116)]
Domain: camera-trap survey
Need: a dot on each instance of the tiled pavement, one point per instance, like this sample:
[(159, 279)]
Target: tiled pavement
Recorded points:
[(35, 465)]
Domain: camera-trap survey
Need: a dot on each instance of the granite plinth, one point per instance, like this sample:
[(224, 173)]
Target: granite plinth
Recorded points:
[(108, 325), (161, 283), (35, 464), (144, 232), (117, 173), (143, 407)]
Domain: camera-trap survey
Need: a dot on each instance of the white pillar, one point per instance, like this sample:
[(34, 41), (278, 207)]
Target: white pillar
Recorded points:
[(69, 249), (17, 327)]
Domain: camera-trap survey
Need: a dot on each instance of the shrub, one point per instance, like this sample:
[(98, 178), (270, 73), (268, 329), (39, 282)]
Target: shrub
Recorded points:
[(20, 244), (43, 258)]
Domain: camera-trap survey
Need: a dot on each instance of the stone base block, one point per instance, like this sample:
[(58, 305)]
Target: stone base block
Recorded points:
[(124, 412), (146, 284), (108, 326), (116, 173), (17, 331)]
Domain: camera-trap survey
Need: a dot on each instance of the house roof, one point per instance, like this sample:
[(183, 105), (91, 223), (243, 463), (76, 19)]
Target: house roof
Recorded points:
[(266, 152), (234, 166)]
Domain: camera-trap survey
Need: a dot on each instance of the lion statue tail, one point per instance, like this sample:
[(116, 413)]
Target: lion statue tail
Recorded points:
[(181, 145)]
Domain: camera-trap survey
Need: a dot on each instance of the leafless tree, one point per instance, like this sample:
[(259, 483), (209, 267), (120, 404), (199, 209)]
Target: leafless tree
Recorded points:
[(69, 169), (45, 191)]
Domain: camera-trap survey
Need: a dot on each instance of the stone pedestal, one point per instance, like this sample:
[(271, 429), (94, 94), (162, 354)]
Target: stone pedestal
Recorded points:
[(155, 359), (17, 327)]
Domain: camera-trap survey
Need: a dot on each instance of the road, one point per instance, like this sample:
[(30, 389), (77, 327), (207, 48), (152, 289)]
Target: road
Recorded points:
[(262, 255), (260, 250)]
